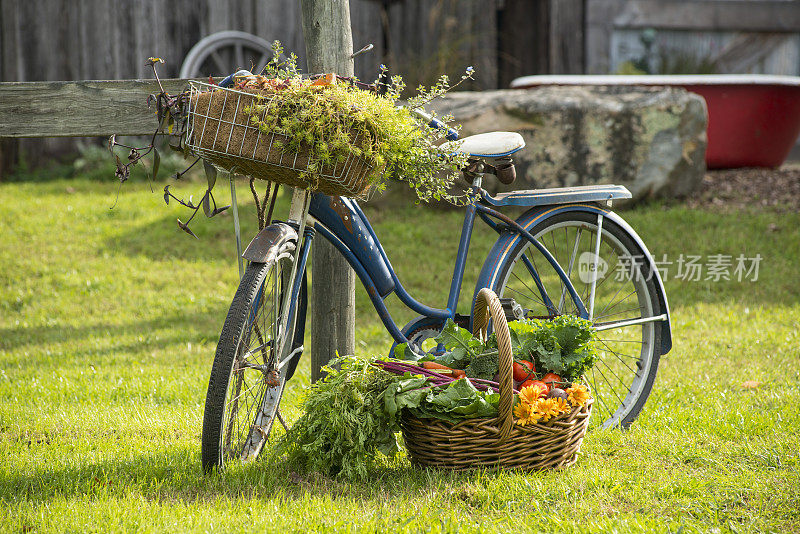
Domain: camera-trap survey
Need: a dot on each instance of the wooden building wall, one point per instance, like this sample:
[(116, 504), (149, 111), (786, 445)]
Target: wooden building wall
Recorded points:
[(111, 39), (103, 39)]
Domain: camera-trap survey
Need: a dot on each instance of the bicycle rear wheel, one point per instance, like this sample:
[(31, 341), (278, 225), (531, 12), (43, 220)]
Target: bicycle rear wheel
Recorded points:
[(246, 384), (625, 291)]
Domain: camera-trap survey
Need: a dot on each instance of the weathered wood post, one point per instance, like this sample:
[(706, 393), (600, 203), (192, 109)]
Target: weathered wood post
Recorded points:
[(329, 45)]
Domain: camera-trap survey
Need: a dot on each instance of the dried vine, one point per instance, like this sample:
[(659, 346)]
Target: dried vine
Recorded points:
[(171, 122)]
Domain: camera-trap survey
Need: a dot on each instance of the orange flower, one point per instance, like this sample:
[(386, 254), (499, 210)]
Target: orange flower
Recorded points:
[(577, 395), (561, 405), (526, 413), (529, 394), (547, 409)]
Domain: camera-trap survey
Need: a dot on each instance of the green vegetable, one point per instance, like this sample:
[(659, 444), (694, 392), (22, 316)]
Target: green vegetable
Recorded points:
[(345, 425), (402, 352), (561, 345), (409, 392), (460, 345), (484, 365), (453, 403)]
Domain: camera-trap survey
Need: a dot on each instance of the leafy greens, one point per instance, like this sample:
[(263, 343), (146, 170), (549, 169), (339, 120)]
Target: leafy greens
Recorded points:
[(561, 345)]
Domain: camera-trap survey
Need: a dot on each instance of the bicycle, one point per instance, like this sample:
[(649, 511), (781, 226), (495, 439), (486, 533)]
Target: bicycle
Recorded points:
[(262, 338)]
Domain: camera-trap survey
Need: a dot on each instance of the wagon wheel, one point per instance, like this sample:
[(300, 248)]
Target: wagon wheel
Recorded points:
[(221, 53)]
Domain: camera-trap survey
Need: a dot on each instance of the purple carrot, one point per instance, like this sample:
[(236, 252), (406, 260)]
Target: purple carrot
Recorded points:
[(437, 379)]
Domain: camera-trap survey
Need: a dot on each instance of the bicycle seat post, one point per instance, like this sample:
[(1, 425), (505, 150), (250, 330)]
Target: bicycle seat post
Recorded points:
[(474, 172)]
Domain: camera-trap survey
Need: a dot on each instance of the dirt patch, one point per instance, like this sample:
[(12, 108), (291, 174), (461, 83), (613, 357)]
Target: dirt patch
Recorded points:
[(736, 189)]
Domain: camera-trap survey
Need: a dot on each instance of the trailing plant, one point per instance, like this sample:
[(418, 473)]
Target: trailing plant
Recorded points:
[(338, 119), (170, 112), (331, 118)]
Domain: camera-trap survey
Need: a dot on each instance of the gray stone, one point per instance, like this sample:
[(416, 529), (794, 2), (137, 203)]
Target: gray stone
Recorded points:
[(651, 140)]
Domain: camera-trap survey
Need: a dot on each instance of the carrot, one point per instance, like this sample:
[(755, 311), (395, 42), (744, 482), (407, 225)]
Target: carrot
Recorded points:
[(443, 369), (436, 366)]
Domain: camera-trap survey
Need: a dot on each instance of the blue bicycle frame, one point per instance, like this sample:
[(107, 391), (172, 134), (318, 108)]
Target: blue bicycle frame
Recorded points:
[(342, 222)]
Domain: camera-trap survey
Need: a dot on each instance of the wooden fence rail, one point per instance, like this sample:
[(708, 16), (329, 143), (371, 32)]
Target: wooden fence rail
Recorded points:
[(78, 109)]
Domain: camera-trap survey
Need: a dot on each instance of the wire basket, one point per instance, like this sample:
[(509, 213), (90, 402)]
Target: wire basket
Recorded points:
[(219, 131), (496, 442)]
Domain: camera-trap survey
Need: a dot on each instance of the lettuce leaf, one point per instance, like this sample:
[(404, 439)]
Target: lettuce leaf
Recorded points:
[(561, 345), (455, 402), (460, 345)]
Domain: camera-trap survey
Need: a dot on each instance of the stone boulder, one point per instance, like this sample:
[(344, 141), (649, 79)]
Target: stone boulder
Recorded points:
[(650, 139)]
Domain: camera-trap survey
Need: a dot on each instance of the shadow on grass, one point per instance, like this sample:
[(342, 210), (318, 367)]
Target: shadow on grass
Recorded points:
[(17, 337), (176, 475), (162, 239)]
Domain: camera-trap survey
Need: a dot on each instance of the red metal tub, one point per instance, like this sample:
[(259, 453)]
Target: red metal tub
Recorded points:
[(753, 119)]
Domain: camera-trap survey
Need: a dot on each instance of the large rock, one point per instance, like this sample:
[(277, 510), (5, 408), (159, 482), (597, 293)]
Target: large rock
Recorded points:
[(651, 140)]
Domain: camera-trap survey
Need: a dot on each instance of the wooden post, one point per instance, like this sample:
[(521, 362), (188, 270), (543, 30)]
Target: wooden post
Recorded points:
[(329, 44)]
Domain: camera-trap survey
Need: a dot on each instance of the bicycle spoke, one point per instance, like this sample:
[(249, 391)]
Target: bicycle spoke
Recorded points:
[(554, 252), (596, 394), (250, 415), (523, 295), (529, 289), (617, 303), (618, 313), (571, 264), (232, 413), (620, 341), (623, 362), (608, 383), (246, 390)]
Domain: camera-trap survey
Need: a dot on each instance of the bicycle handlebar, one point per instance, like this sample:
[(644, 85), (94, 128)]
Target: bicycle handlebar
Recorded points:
[(228, 81), (433, 122)]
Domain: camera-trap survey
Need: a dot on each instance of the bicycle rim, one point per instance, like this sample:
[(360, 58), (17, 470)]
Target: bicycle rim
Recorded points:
[(623, 376), (246, 366)]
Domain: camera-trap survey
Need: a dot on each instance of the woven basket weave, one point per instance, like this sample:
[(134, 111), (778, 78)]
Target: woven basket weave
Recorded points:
[(220, 132), (496, 442)]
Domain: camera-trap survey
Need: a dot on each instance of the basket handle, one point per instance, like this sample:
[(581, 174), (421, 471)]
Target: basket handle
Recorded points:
[(488, 306)]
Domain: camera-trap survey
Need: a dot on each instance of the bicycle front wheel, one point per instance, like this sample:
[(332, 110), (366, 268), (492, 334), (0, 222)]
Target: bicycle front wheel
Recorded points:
[(247, 379), (624, 293)]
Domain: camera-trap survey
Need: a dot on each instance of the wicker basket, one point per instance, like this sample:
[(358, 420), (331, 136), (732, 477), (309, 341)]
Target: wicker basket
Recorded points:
[(496, 442), (218, 130)]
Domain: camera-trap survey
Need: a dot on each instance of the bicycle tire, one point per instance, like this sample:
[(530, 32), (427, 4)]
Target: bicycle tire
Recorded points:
[(217, 448), (617, 411)]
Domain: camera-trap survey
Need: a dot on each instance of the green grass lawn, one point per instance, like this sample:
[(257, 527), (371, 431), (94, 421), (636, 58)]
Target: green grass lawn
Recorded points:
[(109, 321)]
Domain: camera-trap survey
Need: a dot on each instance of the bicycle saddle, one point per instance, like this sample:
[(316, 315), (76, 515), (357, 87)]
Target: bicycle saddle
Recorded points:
[(487, 145)]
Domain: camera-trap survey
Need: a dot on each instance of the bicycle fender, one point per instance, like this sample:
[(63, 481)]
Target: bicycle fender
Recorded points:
[(507, 240), (270, 243)]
